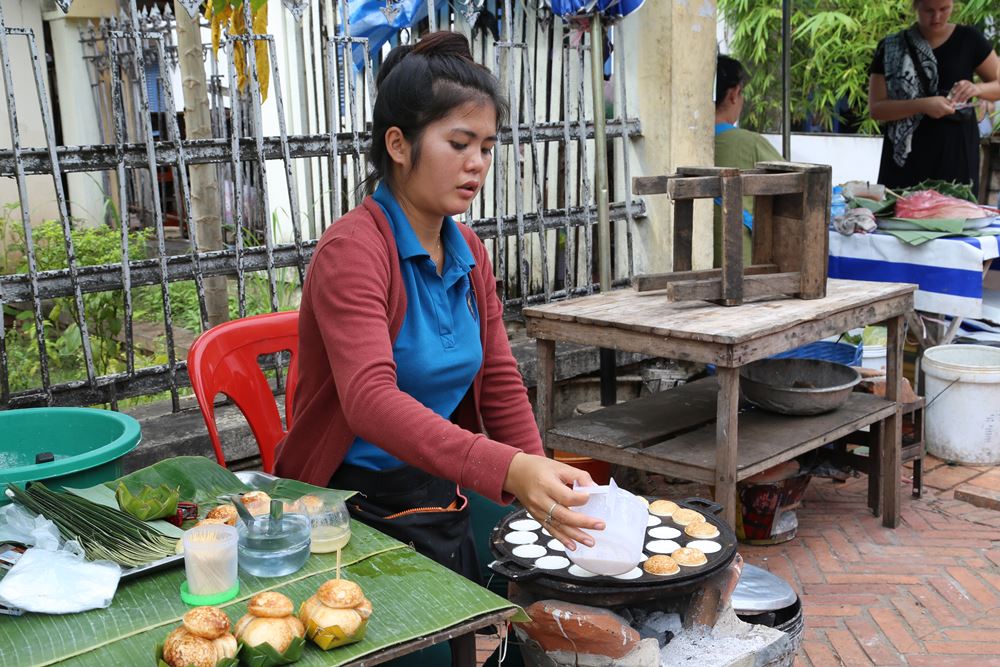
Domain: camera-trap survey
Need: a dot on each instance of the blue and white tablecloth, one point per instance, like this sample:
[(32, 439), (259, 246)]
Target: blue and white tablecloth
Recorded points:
[(948, 271)]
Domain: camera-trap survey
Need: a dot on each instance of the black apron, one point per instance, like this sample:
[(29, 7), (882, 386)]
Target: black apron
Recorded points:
[(417, 508)]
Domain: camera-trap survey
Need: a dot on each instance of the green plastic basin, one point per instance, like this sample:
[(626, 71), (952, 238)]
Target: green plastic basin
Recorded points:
[(87, 445)]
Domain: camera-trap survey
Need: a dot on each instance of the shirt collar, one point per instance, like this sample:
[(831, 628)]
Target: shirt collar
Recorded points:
[(723, 127), (409, 245)]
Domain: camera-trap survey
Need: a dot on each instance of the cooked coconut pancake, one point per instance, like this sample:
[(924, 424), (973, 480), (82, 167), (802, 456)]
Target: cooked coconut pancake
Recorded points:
[(702, 530), (269, 620), (256, 502), (270, 604), (689, 557), (686, 517), (661, 565), (663, 507), (309, 504), (340, 594), (227, 513)]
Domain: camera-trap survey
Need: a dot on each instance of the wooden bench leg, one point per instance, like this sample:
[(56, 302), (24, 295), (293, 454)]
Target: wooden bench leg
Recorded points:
[(463, 650), (545, 387), (918, 470), (727, 412), (876, 438), (891, 448)]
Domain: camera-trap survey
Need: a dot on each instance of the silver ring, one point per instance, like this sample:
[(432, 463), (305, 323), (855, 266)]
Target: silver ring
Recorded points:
[(548, 517)]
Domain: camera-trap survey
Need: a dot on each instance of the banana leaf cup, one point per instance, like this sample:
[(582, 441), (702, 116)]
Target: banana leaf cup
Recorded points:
[(265, 655)]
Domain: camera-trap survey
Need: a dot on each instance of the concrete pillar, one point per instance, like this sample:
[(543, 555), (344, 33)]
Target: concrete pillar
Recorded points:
[(77, 109), (670, 52)]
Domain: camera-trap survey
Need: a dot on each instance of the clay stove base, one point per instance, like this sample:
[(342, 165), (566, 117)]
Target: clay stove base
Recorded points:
[(698, 628), (732, 643)]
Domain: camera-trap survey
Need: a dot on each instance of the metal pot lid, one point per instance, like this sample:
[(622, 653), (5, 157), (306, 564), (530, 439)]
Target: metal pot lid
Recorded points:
[(759, 591)]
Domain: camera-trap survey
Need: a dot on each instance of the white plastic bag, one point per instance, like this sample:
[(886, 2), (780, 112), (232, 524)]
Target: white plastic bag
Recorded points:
[(618, 548), (59, 582), (19, 525)]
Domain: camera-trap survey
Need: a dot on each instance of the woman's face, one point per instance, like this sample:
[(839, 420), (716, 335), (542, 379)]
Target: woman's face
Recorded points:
[(455, 156), (933, 15)]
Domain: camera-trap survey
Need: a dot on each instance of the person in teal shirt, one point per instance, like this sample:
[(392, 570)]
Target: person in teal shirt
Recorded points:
[(735, 147)]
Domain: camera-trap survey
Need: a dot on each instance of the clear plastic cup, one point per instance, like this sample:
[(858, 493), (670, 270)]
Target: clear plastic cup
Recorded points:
[(210, 559)]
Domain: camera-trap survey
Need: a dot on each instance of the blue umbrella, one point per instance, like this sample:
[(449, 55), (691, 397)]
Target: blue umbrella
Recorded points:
[(608, 8), (380, 20)]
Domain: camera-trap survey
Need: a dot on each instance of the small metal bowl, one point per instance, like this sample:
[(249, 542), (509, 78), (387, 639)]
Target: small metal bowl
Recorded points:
[(797, 386)]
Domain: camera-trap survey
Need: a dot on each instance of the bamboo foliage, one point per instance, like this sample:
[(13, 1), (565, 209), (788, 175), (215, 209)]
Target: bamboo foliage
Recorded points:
[(833, 42)]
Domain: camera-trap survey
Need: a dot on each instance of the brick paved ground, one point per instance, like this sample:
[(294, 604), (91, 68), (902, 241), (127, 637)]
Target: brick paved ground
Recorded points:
[(926, 594)]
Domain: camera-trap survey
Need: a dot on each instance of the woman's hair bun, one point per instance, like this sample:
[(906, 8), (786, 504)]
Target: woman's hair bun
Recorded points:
[(444, 43), (391, 60)]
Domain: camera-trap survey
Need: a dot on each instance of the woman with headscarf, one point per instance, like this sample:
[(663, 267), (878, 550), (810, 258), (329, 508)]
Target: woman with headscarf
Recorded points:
[(921, 87)]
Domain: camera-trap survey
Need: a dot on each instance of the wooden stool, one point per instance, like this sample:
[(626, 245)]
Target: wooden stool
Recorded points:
[(790, 242)]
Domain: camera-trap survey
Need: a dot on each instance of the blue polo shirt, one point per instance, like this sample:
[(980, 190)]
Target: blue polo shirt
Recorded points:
[(438, 350)]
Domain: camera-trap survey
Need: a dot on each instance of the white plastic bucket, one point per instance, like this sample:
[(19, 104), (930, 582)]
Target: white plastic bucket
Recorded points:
[(963, 403), (873, 356)]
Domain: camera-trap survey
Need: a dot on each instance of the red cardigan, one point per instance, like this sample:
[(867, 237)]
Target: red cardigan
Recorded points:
[(353, 306)]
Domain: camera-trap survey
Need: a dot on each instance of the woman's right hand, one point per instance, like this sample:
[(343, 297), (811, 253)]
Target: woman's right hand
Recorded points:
[(938, 106), (543, 486)]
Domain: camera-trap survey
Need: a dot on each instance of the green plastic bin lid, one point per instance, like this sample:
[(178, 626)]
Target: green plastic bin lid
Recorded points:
[(78, 438)]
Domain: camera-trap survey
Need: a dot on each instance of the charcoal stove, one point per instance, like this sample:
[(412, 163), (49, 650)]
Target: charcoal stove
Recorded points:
[(632, 619)]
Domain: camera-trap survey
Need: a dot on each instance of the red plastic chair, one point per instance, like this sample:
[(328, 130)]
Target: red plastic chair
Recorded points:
[(224, 360)]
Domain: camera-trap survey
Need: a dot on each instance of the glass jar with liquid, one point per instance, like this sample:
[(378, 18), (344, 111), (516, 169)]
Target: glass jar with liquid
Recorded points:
[(329, 519)]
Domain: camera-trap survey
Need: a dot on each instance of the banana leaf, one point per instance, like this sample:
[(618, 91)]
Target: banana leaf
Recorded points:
[(411, 595), (149, 503), (202, 481), (265, 655)]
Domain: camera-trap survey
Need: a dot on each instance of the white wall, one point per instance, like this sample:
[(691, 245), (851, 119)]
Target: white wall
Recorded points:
[(41, 194), (853, 158)]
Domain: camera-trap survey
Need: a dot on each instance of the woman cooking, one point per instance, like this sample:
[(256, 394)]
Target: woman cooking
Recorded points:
[(407, 385), (921, 86)]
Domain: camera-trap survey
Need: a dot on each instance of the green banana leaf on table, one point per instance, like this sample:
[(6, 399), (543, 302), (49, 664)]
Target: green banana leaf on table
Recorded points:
[(411, 595)]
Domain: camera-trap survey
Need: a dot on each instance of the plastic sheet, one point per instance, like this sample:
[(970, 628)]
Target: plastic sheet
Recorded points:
[(19, 525), (618, 548), (59, 582)]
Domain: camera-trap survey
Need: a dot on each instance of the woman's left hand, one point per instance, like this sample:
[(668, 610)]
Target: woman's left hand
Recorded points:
[(963, 91), (543, 486)]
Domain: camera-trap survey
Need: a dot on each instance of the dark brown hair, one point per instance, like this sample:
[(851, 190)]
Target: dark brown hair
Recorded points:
[(420, 84), (729, 73)]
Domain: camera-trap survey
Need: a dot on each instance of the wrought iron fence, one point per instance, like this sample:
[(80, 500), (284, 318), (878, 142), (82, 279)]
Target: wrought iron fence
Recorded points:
[(100, 328)]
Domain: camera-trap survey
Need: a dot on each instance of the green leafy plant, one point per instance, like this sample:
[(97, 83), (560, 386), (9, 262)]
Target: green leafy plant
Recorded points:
[(833, 42)]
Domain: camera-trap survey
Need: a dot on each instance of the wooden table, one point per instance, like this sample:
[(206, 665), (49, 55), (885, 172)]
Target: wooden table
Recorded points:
[(667, 433)]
